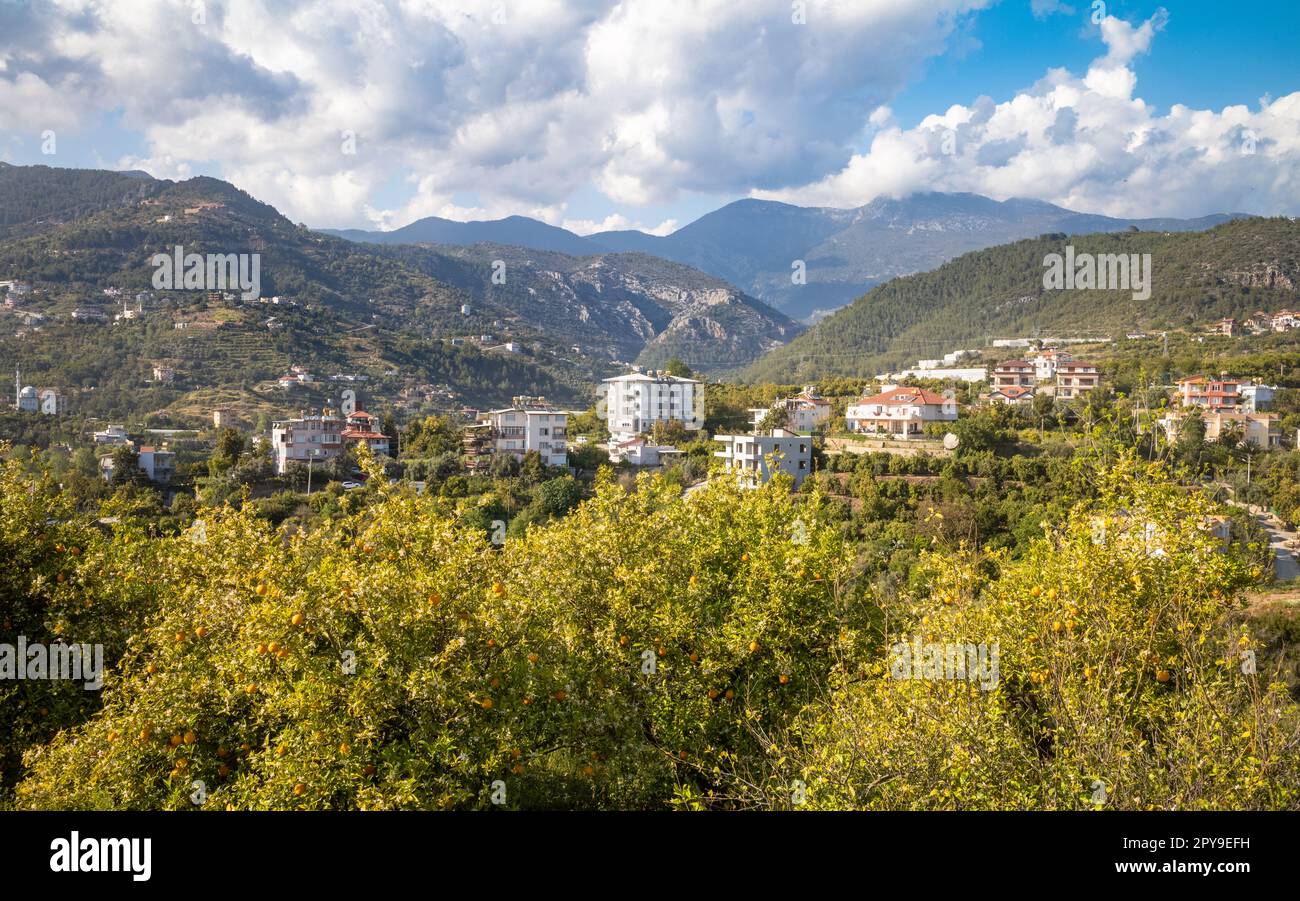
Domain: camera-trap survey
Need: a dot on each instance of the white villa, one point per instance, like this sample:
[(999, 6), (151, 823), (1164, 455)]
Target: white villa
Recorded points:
[(806, 411), (900, 411)]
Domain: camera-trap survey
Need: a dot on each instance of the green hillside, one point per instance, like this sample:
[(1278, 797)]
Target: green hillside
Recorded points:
[(1198, 277)]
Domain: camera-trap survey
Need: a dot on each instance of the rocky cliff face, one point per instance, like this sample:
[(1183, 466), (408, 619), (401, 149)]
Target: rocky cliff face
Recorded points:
[(624, 306)]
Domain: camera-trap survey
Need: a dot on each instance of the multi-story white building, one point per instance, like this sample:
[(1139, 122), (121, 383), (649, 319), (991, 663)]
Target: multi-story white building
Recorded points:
[(1014, 374), (635, 402), (1074, 378), (805, 411), (158, 464), (756, 458), (1255, 398), (319, 438), (529, 424), (900, 411), (307, 438), (1046, 362), (1259, 429)]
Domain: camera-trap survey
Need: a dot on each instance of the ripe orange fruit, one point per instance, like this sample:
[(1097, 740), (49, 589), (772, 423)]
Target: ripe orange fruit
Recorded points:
[(435, 599), (273, 647), (1056, 626), (588, 770), (753, 647), (695, 658), (533, 658), (250, 688), (145, 734), (498, 589), (175, 740), (223, 770), (784, 678), (113, 735), (261, 648), (661, 650), (561, 695), (729, 694), (622, 641), (516, 753), (1035, 591), (300, 789), (694, 580), (201, 631), (486, 703), (190, 738), (151, 669), (492, 642), (1162, 675), (345, 748), (221, 751), (180, 636), (296, 619), (527, 701), (517, 769), (713, 693), (261, 589)]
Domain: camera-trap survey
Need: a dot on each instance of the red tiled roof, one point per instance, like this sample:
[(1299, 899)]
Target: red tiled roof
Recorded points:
[(905, 395)]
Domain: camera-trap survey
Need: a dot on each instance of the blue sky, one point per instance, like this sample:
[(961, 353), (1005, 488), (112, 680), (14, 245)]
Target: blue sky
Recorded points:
[(649, 113)]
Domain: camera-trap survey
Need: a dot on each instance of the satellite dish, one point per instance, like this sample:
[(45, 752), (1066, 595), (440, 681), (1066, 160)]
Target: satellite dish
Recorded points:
[(951, 441)]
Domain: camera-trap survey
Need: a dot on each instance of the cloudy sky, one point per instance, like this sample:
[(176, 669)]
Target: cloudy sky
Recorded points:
[(647, 113)]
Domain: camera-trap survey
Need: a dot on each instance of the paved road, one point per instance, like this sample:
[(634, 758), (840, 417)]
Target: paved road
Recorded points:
[(1285, 566)]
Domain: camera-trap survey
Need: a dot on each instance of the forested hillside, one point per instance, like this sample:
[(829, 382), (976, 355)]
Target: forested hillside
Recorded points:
[(1197, 277)]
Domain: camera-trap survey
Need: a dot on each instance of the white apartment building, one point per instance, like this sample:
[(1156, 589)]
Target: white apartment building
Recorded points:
[(307, 438), (320, 438), (635, 402), (529, 424), (1259, 429), (159, 465), (756, 458), (1074, 378), (1046, 363)]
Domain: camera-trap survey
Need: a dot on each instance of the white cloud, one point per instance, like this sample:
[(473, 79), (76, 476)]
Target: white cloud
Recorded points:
[(617, 222), (517, 104), (1086, 143)]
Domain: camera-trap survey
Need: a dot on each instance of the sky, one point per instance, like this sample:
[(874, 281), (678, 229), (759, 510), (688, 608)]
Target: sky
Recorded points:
[(599, 114)]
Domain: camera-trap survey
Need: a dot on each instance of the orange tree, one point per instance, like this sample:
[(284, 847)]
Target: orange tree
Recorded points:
[(1121, 682), (394, 659), (61, 582)]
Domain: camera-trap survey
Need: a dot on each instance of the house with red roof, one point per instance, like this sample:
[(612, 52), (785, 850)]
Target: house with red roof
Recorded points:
[(901, 412)]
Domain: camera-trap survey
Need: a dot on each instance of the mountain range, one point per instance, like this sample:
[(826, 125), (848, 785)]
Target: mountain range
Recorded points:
[(522, 320), (758, 245)]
